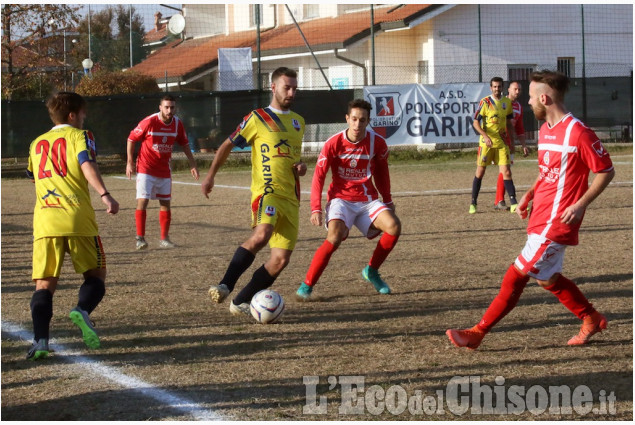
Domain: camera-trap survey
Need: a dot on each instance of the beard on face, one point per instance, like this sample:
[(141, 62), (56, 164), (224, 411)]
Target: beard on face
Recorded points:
[(540, 112)]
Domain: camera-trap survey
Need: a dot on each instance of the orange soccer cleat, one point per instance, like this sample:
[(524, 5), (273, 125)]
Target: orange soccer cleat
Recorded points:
[(470, 338), (591, 325)]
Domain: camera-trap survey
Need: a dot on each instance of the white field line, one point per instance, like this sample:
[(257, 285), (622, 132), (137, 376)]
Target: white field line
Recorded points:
[(420, 192), (166, 398)]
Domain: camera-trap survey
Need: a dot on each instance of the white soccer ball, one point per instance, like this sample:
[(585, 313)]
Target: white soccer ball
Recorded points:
[(267, 306)]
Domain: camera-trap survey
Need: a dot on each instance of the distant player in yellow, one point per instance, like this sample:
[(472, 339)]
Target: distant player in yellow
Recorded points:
[(492, 120), (275, 135), (62, 164)]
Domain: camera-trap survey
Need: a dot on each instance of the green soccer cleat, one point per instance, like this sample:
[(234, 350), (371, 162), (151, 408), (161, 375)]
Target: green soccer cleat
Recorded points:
[(304, 292), (80, 318), (39, 350), (372, 275), (472, 209)]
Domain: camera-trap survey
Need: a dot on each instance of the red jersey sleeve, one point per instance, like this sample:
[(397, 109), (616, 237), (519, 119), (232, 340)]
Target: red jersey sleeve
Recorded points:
[(519, 127), (181, 136), (317, 184), (381, 175), (138, 134), (593, 153)]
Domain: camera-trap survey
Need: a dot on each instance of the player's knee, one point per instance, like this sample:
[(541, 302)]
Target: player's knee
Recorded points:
[(549, 282)]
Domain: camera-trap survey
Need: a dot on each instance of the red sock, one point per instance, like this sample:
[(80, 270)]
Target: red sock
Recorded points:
[(140, 220), (511, 289), (164, 221), (385, 244), (500, 189), (320, 261), (570, 295)]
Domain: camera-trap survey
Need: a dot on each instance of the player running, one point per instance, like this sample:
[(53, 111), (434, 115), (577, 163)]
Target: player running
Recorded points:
[(275, 135), (62, 163), (567, 151), (356, 157), (157, 134)]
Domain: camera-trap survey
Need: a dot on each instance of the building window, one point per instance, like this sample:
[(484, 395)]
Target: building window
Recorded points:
[(311, 11), (423, 72), (252, 14), (567, 66), (519, 72)]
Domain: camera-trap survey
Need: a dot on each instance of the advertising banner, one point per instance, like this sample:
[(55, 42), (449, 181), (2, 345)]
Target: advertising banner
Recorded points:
[(414, 114)]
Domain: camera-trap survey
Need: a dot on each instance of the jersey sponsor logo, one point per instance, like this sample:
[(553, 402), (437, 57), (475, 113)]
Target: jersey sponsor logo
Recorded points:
[(296, 124), (284, 149), (138, 130), (321, 161), (270, 210), (267, 178), (162, 148), (52, 199), (386, 115), (598, 147)]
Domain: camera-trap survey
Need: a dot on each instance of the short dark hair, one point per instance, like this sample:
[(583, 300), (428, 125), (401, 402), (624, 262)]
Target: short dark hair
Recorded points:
[(495, 80), (556, 80), (283, 70), (359, 103), (167, 97), (61, 104)]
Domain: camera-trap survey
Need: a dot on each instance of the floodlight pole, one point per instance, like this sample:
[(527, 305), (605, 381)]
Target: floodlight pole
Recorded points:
[(372, 44)]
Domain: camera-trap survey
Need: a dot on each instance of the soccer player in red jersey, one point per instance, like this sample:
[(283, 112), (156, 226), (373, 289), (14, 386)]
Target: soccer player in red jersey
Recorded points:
[(567, 152), (513, 92), (356, 157), (157, 134)]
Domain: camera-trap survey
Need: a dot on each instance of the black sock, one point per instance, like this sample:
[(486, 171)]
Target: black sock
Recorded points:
[(241, 261), (511, 191), (476, 188), (259, 281), (41, 313), (90, 294)]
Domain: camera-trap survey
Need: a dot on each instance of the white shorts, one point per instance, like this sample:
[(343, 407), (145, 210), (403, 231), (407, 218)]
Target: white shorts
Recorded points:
[(150, 187), (358, 214), (541, 258)]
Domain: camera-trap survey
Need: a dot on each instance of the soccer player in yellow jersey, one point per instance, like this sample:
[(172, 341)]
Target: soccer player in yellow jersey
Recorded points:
[(492, 120), (275, 135), (62, 165)]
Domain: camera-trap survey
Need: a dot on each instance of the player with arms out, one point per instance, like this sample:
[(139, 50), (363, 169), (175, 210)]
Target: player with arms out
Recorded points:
[(62, 163), (157, 134), (567, 152), (275, 135), (492, 119), (356, 157), (517, 131)]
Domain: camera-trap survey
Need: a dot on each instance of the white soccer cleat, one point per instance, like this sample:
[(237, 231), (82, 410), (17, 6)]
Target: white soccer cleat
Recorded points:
[(240, 309), (166, 244), (218, 293), (141, 243)]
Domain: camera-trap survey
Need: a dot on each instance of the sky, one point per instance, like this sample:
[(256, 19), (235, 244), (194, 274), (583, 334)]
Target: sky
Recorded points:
[(146, 11)]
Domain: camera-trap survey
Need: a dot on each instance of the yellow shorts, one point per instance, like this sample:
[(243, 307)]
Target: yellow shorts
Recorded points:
[(494, 155), (282, 214), (86, 252)]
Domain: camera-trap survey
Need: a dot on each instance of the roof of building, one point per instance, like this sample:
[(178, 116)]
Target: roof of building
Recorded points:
[(184, 59)]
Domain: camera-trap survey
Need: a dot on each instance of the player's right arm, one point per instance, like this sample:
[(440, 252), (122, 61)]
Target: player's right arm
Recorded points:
[(130, 168), (523, 204), (93, 176), (219, 159), (317, 184)]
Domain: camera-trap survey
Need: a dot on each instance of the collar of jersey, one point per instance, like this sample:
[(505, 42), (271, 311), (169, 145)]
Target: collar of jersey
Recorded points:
[(277, 111)]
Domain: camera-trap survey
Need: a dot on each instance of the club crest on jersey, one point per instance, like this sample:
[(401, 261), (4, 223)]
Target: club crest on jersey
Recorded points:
[(295, 124), (353, 163), (504, 105), (545, 158), (386, 115), (270, 210), (598, 147)]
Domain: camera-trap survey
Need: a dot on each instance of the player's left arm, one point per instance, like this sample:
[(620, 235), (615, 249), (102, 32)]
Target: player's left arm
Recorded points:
[(191, 160), (574, 213), (381, 176)]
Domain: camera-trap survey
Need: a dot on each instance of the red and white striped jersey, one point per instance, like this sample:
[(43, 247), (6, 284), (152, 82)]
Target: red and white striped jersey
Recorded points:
[(519, 127), (157, 140), (566, 153), (354, 167)]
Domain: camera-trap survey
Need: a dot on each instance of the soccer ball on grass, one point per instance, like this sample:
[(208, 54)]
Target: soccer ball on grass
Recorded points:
[(267, 306)]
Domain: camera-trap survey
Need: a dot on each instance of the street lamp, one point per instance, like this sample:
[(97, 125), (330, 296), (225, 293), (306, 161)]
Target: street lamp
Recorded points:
[(87, 64)]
